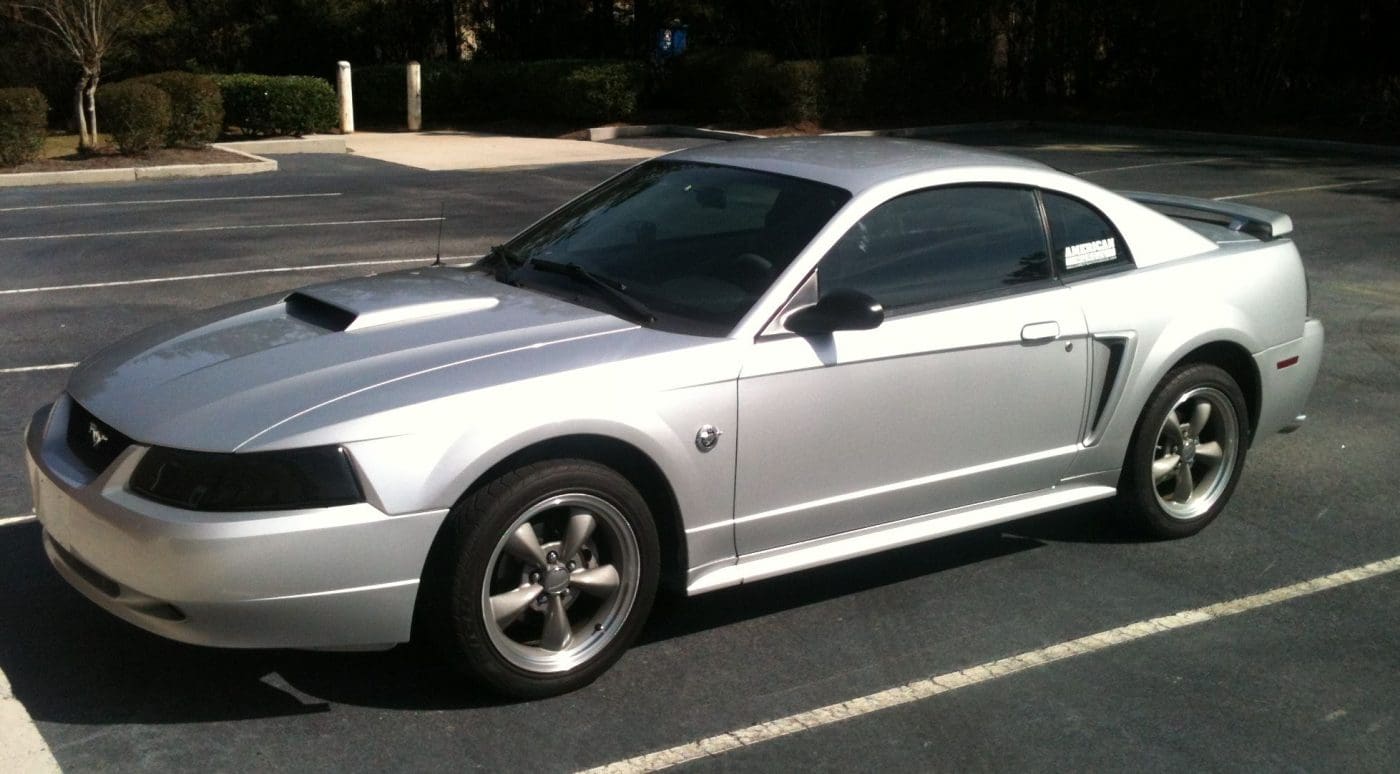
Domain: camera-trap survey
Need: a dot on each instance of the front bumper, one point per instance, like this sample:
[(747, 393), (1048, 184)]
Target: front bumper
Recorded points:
[(342, 577)]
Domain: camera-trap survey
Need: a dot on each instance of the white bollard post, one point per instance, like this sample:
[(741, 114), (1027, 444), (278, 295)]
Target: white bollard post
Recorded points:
[(415, 97), (347, 98)]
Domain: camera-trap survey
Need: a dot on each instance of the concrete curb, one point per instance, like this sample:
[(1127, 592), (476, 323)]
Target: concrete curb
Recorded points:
[(1101, 130), (311, 143), (1251, 140), (130, 174), (1130, 132), (601, 133), (939, 130)]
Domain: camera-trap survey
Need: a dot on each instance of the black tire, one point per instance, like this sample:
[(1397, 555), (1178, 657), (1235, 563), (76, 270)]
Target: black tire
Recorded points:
[(476, 560), (1191, 483)]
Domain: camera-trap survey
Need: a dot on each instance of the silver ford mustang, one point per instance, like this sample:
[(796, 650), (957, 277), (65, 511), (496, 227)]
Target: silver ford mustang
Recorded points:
[(722, 365)]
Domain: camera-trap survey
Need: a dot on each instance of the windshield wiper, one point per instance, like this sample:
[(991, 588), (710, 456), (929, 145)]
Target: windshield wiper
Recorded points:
[(612, 290), (503, 262)]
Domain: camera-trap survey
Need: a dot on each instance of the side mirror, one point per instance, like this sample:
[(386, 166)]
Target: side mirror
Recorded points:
[(839, 310)]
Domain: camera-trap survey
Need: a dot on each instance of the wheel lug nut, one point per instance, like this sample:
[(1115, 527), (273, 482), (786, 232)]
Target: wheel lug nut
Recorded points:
[(534, 577), (552, 557), (543, 599), (573, 565)]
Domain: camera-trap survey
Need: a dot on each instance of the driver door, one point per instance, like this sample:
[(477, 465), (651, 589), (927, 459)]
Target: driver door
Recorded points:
[(972, 389)]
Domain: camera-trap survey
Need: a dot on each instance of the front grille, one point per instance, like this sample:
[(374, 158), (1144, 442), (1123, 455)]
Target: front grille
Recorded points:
[(93, 441)]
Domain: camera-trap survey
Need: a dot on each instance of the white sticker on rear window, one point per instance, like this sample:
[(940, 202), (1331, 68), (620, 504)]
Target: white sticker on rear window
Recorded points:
[(1089, 253)]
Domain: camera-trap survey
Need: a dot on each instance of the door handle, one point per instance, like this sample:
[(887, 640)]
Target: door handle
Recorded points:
[(1040, 331)]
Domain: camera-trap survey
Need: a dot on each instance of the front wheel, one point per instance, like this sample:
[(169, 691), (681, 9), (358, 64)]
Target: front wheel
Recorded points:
[(543, 578), (1187, 452)]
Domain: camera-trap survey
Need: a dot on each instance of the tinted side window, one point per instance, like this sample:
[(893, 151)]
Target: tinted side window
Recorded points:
[(943, 244), (1081, 238)]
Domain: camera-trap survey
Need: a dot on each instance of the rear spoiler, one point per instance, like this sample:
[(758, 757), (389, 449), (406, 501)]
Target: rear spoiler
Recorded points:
[(1255, 221)]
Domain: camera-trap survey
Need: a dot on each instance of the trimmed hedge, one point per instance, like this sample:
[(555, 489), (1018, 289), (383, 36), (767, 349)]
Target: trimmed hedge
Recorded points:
[(751, 86), (801, 92), (196, 107), (844, 83), (24, 115), (546, 90), (599, 92), (381, 95), (732, 85), (266, 105), (136, 114)]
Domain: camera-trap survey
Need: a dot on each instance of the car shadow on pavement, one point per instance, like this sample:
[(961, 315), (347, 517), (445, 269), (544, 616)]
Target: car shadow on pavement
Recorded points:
[(71, 663), (676, 615), (1097, 522)]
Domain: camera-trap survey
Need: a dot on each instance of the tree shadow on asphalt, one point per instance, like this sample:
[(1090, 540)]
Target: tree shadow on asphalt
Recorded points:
[(1386, 191), (70, 662)]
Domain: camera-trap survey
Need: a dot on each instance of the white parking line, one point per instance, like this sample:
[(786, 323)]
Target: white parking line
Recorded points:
[(239, 273), (27, 369), (919, 690), (1305, 188), (202, 229), (22, 748), (138, 202), (1157, 164)]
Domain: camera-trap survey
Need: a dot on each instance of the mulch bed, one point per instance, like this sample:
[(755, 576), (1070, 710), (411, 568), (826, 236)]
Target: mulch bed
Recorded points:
[(114, 160)]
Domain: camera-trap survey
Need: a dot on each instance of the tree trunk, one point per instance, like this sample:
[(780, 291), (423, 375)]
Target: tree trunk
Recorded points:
[(91, 93), (85, 139)]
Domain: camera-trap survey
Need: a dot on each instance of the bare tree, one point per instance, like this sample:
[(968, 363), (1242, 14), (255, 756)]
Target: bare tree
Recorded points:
[(86, 31)]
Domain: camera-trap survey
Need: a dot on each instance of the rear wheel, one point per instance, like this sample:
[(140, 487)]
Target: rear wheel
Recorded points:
[(1187, 452), (544, 577)]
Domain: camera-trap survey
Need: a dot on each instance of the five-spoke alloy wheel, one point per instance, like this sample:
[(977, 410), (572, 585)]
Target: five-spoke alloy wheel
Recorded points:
[(543, 577), (562, 578), (1187, 452)]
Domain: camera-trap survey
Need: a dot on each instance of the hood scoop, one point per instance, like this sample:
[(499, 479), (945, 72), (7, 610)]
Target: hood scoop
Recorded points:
[(321, 314), (335, 315)]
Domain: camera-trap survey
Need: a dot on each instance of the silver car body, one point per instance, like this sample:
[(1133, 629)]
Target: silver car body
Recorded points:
[(932, 423)]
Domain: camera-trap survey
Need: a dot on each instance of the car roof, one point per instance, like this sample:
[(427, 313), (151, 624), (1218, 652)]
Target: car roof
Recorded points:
[(852, 163)]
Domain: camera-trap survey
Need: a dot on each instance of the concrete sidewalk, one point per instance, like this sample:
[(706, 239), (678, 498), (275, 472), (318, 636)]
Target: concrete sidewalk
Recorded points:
[(445, 150)]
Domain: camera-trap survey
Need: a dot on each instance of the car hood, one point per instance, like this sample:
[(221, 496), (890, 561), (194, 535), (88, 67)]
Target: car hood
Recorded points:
[(217, 380)]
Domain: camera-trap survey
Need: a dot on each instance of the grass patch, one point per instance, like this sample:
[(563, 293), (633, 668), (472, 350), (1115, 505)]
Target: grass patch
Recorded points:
[(57, 146)]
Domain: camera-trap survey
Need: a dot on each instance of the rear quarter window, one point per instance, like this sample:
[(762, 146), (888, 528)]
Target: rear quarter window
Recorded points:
[(1083, 241)]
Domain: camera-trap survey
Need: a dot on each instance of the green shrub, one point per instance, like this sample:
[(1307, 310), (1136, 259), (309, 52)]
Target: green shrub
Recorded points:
[(266, 105), (1388, 107), (196, 107), (900, 88), (136, 114), (800, 92), (24, 115), (381, 95), (844, 84), (730, 84), (591, 92), (548, 90)]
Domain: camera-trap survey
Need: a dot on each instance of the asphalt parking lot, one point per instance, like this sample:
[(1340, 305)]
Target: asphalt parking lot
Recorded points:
[(1305, 683)]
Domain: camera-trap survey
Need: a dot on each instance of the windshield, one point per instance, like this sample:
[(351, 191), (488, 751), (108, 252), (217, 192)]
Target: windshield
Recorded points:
[(696, 244)]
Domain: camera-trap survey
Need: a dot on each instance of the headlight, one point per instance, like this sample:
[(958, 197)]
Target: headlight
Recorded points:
[(261, 481)]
